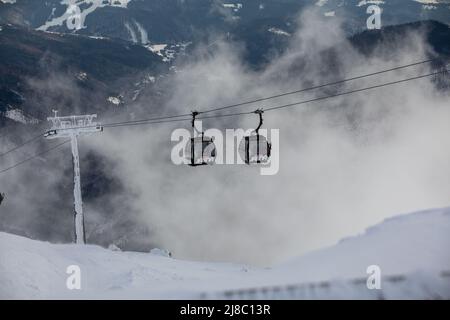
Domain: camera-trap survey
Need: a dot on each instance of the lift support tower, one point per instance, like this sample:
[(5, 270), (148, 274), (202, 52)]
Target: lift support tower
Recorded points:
[(71, 127)]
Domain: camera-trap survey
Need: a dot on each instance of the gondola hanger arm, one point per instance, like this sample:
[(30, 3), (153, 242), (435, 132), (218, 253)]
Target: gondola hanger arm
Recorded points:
[(194, 116), (260, 113)]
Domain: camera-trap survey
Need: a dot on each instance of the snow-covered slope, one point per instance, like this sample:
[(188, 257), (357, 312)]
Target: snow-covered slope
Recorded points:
[(74, 12), (402, 244), (411, 251)]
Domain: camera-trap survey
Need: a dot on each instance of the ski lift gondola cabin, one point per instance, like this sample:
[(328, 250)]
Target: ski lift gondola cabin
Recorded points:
[(201, 150), (255, 148)]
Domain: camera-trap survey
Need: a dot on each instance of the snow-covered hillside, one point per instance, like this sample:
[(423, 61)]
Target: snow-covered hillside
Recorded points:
[(74, 11), (163, 21), (411, 251)]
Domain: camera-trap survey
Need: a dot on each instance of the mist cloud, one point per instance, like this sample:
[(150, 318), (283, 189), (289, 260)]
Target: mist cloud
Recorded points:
[(345, 163)]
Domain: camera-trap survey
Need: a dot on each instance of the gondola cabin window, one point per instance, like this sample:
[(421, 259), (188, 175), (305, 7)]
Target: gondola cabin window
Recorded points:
[(200, 151), (255, 149)]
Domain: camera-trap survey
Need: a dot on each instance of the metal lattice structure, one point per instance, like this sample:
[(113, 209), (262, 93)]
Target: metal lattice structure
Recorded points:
[(72, 127)]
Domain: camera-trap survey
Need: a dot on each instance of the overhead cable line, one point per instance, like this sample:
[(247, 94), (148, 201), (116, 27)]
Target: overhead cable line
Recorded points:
[(33, 139), (317, 86), (172, 118), (354, 91), (34, 156), (150, 120)]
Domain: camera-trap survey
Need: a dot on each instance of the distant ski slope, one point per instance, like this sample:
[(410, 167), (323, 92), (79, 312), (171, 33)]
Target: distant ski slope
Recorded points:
[(73, 11), (411, 250)]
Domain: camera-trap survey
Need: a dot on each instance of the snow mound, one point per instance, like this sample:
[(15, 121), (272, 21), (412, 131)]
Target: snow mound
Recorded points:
[(402, 244), (411, 251)]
